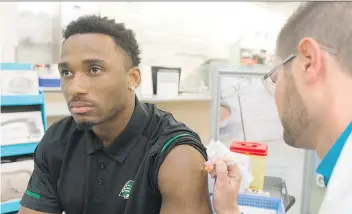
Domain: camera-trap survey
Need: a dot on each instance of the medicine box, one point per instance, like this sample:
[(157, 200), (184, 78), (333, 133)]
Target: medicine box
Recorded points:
[(49, 76), (14, 179), (21, 127), (18, 79)]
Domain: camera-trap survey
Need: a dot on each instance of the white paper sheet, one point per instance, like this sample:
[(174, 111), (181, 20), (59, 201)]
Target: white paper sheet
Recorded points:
[(253, 210)]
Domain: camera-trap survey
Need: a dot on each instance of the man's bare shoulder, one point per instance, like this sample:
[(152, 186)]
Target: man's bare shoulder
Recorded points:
[(184, 157), (183, 183)]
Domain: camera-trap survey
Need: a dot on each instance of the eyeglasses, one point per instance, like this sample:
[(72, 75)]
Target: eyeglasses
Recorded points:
[(269, 79)]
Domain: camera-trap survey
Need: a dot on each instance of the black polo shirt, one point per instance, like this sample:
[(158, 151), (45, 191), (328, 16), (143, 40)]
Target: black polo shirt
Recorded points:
[(75, 173)]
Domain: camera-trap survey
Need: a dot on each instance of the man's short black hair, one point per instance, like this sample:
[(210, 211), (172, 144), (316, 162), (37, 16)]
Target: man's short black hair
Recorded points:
[(123, 37)]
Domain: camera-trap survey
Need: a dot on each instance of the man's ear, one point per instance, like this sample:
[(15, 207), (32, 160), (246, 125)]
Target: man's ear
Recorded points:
[(134, 75), (311, 60)]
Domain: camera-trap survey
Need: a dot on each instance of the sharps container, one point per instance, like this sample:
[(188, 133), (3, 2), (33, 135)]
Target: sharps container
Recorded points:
[(258, 153)]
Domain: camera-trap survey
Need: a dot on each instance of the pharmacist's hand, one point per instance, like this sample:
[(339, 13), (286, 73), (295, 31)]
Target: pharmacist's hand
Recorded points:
[(226, 187)]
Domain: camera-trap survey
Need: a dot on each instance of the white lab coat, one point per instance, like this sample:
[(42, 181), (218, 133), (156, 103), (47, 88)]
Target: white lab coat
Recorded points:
[(338, 196)]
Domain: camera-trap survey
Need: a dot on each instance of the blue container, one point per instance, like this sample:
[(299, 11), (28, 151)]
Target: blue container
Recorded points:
[(53, 83), (263, 202)]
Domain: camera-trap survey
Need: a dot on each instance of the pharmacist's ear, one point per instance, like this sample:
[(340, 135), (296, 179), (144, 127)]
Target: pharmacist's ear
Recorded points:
[(134, 78)]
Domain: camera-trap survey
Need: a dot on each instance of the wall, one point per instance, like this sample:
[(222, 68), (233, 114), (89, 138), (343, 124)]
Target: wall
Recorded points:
[(166, 30), (34, 33), (171, 34), (282, 8), (206, 28), (8, 11)]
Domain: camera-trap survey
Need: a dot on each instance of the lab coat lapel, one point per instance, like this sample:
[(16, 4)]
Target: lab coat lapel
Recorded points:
[(338, 196)]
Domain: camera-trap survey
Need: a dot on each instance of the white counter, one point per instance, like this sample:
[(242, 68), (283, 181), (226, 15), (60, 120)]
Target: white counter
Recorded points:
[(59, 109), (180, 97)]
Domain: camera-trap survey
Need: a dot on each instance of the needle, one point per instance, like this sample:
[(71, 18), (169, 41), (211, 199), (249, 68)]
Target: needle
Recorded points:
[(207, 165)]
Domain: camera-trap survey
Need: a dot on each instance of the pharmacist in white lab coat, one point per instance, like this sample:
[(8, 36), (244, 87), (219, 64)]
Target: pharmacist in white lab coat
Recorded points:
[(312, 85)]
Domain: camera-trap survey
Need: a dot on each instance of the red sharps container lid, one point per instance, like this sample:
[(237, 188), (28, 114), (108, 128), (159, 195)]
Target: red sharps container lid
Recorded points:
[(249, 148)]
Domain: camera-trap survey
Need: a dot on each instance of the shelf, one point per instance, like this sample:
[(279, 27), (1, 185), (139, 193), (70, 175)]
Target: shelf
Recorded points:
[(10, 206), (22, 100), (18, 149), (50, 89), (23, 148), (15, 67)]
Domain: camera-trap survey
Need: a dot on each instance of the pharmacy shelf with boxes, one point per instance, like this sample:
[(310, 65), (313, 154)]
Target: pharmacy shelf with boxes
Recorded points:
[(23, 123)]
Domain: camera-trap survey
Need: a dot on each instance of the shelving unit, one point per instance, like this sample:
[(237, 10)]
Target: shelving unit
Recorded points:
[(18, 149), (24, 148), (10, 206), (13, 150)]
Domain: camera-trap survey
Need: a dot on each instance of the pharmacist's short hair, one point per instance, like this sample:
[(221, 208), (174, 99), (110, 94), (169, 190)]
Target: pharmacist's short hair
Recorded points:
[(329, 23)]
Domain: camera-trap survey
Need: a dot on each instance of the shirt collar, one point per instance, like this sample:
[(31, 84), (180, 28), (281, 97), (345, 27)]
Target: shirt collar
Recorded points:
[(127, 140), (328, 163)]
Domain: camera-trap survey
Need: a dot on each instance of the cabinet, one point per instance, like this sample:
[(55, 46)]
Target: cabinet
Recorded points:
[(11, 107)]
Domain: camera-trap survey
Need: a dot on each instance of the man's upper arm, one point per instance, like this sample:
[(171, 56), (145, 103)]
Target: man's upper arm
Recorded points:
[(25, 210), (41, 195), (183, 183)]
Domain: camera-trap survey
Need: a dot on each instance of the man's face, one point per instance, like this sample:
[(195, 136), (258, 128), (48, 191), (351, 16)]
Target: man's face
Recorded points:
[(303, 95), (94, 79), (291, 109)]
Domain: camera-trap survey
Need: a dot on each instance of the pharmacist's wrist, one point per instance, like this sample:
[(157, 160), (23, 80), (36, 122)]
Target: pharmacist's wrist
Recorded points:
[(235, 211)]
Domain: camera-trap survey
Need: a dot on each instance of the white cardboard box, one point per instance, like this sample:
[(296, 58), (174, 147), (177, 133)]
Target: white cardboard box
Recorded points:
[(19, 83), (168, 84), (14, 179), (21, 127)]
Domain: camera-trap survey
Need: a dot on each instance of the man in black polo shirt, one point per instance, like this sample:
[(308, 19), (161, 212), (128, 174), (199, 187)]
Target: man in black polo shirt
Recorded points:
[(114, 154)]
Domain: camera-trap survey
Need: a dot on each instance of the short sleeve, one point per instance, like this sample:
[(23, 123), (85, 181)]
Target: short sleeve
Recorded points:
[(41, 194), (170, 142)]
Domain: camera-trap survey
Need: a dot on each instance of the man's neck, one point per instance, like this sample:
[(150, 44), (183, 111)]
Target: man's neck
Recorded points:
[(110, 130), (334, 122)]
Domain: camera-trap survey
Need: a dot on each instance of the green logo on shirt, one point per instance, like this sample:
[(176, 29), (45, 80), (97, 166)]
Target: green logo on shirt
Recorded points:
[(126, 190)]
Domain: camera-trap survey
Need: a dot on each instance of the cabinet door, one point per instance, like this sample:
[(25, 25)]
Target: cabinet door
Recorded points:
[(35, 26)]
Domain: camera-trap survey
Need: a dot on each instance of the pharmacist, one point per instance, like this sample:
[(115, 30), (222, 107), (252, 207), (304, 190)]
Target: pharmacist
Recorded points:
[(313, 92)]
